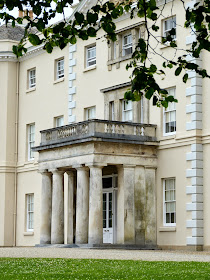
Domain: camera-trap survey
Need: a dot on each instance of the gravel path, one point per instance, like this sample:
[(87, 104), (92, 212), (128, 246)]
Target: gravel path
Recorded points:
[(78, 253)]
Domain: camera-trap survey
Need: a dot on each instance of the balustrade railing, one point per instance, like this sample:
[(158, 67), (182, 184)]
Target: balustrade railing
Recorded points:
[(98, 128)]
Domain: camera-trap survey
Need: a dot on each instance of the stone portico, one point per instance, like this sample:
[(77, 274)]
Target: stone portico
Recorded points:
[(88, 152)]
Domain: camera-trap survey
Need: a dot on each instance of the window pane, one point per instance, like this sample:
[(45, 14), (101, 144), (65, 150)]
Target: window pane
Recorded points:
[(167, 195), (127, 45), (60, 68), (107, 182), (30, 212), (31, 140), (173, 218), (170, 203), (91, 56)]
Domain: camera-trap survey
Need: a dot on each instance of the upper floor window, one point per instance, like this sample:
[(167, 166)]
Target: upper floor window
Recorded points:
[(59, 68), (168, 24), (31, 140), (169, 115), (127, 45), (111, 111), (90, 113), (59, 121), (169, 201), (127, 111), (30, 212), (31, 78), (90, 56)]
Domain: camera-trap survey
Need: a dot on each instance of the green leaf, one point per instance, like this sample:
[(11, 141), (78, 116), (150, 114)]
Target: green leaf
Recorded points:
[(185, 78), (178, 71), (79, 18), (155, 27), (48, 47), (92, 18), (149, 93), (91, 32), (73, 40), (153, 68), (83, 35), (34, 39)]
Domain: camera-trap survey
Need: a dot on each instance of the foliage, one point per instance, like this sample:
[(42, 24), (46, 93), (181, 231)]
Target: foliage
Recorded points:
[(27, 268), (102, 16)]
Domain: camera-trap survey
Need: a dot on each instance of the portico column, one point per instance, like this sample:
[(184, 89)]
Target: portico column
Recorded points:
[(57, 227), (129, 215), (70, 219), (82, 205), (46, 208), (150, 221), (95, 205)]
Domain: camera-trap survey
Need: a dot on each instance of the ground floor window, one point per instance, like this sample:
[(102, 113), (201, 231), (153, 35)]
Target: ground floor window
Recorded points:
[(169, 200), (30, 212)]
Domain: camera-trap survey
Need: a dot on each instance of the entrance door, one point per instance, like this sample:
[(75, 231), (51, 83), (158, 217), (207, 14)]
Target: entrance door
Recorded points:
[(108, 217), (109, 208)]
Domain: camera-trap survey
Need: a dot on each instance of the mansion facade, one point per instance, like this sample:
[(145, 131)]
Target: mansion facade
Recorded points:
[(81, 165)]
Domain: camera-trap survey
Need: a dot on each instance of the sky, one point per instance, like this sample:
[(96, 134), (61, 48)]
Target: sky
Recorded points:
[(67, 12)]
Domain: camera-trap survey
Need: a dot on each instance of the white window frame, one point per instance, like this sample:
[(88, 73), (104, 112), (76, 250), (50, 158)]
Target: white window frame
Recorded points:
[(31, 140), (169, 201), (59, 68), (30, 212), (90, 111), (171, 109), (127, 106), (59, 121), (172, 22), (127, 46), (90, 56), (111, 111), (32, 78)]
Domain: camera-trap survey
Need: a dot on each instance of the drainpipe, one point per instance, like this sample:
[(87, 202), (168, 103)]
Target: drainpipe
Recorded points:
[(16, 151)]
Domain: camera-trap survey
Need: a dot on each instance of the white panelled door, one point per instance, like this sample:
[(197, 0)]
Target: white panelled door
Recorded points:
[(109, 208), (108, 217)]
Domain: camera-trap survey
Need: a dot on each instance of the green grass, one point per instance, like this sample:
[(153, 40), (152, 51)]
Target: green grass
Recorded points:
[(25, 268)]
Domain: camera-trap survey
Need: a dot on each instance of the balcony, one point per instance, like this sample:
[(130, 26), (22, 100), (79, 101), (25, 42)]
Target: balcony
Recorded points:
[(98, 130)]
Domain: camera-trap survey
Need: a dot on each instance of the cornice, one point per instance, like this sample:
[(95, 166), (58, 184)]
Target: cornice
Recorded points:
[(8, 56), (32, 52)]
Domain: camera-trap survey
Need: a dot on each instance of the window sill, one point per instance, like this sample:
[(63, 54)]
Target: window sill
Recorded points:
[(169, 135), (58, 81), (89, 68), (30, 89), (166, 45), (167, 229), (30, 160), (120, 59), (28, 233)]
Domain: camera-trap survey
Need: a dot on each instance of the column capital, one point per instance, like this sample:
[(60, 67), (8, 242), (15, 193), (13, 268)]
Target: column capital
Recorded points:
[(96, 164), (56, 171), (44, 171), (80, 167), (150, 167), (129, 165), (70, 173)]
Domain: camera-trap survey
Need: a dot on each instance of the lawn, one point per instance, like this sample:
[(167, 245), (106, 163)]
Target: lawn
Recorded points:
[(25, 268)]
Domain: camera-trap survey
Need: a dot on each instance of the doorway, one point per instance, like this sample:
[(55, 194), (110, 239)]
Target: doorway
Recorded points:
[(109, 208)]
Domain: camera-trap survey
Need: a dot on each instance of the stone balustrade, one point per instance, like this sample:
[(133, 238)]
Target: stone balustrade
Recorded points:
[(103, 129)]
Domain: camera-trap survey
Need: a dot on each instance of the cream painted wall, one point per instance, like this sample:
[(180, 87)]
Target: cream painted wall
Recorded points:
[(7, 149), (40, 106), (28, 182), (172, 164), (206, 193), (50, 99)]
